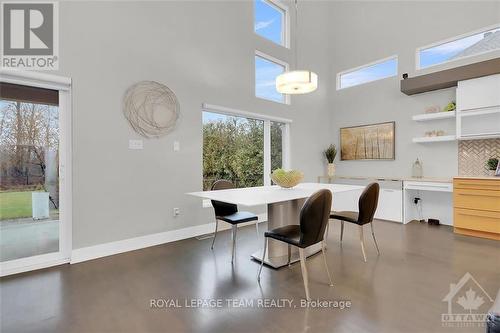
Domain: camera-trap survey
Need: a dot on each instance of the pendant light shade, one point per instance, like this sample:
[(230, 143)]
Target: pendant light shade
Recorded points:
[(297, 82)]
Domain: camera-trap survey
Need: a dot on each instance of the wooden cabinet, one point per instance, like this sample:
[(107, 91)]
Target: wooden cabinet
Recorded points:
[(476, 206)]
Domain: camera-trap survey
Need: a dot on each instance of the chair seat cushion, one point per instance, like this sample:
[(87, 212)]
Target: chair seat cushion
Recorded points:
[(238, 217), (345, 216), (289, 234)]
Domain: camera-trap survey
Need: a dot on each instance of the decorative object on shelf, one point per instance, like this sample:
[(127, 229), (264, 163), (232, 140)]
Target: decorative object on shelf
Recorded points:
[(432, 109), (330, 154), (492, 166), (452, 106), (368, 142), (296, 81), (287, 179), (151, 108), (417, 169), (435, 133), (497, 172)]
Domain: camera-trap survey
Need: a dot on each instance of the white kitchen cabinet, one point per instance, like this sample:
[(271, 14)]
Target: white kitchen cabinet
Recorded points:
[(483, 92), (478, 108), (390, 205)]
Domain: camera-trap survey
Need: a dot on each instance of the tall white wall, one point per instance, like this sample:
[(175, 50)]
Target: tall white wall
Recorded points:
[(204, 52)]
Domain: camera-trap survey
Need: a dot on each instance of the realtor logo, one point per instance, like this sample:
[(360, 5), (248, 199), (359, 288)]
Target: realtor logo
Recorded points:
[(30, 35), (468, 304)]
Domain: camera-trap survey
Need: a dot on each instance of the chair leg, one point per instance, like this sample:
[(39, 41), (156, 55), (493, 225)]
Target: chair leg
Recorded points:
[(304, 272), (215, 233), (326, 265), (263, 256), (233, 249), (361, 239), (289, 255), (341, 231), (257, 227), (326, 233), (374, 239)]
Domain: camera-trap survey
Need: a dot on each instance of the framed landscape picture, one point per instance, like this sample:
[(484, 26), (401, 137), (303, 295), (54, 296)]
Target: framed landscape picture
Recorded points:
[(367, 142)]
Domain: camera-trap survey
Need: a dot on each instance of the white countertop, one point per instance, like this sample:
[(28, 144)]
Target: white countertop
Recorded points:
[(262, 195), (386, 178)]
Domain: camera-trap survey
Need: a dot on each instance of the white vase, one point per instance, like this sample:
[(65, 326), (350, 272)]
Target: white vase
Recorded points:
[(491, 173), (331, 169)]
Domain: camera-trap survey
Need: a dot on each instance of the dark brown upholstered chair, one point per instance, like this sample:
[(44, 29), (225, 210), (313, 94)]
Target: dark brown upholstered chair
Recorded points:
[(313, 220), (367, 206), (229, 213)]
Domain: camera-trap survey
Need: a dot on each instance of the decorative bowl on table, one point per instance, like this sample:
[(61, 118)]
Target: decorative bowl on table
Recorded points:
[(287, 179)]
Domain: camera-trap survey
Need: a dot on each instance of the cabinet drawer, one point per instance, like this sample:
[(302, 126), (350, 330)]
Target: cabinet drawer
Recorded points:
[(477, 199), (479, 184), (477, 220)]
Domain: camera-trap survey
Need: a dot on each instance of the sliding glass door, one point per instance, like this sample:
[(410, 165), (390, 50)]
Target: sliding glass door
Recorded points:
[(242, 149), (33, 190)]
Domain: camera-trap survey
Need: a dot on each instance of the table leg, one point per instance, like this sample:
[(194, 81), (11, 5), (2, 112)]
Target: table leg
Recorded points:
[(280, 214)]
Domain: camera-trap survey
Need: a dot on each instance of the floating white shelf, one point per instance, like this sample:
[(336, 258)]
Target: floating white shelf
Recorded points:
[(434, 116), (440, 138)]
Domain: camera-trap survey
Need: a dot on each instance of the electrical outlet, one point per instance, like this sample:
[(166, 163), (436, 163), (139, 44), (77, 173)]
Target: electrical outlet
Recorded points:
[(177, 211), (177, 146)]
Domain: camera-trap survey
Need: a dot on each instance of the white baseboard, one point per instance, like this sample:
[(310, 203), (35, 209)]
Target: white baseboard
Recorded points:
[(131, 244)]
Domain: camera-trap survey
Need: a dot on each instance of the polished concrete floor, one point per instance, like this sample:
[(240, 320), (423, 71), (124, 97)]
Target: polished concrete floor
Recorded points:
[(399, 291)]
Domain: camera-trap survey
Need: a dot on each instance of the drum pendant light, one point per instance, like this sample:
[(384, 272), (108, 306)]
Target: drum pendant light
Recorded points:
[(296, 81)]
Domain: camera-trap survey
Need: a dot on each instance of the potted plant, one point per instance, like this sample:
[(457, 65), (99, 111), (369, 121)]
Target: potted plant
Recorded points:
[(491, 166), (330, 154), (40, 203)]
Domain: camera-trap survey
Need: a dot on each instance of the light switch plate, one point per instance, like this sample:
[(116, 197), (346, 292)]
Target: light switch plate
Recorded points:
[(135, 144), (177, 146)]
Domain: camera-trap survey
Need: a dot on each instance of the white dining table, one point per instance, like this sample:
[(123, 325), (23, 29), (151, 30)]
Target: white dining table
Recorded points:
[(283, 208)]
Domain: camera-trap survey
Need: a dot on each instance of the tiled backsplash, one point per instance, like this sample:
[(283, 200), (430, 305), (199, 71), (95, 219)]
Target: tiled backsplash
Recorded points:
[(473, 154)]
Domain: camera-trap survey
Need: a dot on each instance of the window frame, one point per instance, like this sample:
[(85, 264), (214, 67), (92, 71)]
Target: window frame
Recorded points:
[(376, 62), (286, 158), (285, 24), (286, 100), (452, 39)]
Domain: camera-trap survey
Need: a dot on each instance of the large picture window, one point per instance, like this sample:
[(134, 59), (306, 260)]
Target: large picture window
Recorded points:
[(242, 149), (471, 44)]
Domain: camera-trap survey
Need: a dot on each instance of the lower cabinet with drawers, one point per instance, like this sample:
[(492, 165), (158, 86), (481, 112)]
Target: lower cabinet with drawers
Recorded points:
[(476, 207)]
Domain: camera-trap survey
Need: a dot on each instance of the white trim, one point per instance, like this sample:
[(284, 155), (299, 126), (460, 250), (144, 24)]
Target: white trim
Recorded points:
[(63, 85), (452, 39), (236, 112), (31, 263), (376, 62), (279, 62), (36, 79), (137, 243), (285, 138), (267, 153)]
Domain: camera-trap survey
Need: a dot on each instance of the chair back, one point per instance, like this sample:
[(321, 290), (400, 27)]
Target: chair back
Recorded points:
[(223, 208), (367, 203), (314, 216)]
